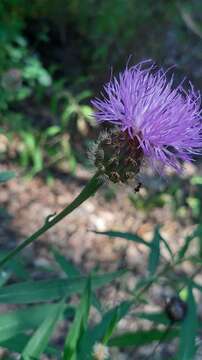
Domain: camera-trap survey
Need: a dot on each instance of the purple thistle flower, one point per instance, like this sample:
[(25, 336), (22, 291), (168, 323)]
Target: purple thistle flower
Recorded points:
[(166, 121)]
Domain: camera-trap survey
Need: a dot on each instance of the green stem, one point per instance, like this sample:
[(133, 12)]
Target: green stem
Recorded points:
[(90, 189), (165, 269)]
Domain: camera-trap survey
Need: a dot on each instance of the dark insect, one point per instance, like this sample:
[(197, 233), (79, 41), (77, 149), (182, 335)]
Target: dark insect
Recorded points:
[(137, 187), (176, 309)]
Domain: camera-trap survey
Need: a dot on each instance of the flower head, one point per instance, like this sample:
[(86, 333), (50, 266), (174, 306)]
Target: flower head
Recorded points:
[(100, 352), (164, 122)]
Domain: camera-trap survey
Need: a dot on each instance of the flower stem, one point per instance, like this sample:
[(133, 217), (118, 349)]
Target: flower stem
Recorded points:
[(90, 189)]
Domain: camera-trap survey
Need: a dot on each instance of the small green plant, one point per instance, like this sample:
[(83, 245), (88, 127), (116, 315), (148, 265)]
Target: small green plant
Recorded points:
[(40, 317)]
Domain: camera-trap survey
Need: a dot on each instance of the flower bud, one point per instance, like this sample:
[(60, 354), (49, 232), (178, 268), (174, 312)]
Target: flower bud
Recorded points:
[(117, 157), (100, 352), (176, 309)]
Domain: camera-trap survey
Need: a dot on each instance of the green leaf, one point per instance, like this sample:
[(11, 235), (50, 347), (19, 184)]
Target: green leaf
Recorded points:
[(124, 235), (155, 317), (196, 180), (89, 190), (52, 131), (188, 332), (18, 343), (141, 337), (143, 282), (102, 331), (86, 111), (111, 326), (22, 320), (154, 255), (4, 276), (47, 290), (196, 285), (185, 246), (79, 325), (17, 267), (167, 247), (67, 266), (37, 157), (84, 95), (6, 175), (39, 340), (71, 271)]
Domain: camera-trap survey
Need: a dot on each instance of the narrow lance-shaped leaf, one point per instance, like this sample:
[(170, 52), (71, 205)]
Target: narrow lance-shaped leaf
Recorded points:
[(183, 250), (141, 337), (39, 340), (21, 320), (71, 271), (111, 326), (79, 325), (167, 246), (90, 189), (155, 317), (102, 331), (124, 235), (16, 266), (18, 343), (47, 290), (187, 347), (154, 255)]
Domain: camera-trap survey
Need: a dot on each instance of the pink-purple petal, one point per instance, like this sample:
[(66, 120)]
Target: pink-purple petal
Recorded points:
[(166, 120)]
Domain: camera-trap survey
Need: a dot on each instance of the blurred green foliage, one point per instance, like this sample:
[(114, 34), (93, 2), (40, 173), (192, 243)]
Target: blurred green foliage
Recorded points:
[(55, 53), (39, 317)]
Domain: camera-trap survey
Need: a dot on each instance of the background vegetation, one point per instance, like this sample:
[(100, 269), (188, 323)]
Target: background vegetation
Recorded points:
[(56, 54)]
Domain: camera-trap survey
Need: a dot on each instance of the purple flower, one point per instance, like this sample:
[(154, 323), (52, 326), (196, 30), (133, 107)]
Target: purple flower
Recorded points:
[(166, 121)]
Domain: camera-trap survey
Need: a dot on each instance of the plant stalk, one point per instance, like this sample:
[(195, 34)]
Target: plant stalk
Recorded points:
[(90, 189)]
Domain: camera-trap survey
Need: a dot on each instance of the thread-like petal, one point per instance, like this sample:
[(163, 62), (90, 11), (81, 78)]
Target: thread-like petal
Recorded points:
[(166, 121)]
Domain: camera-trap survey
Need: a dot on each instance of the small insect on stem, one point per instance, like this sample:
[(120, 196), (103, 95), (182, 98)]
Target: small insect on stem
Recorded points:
[(138, 187)]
